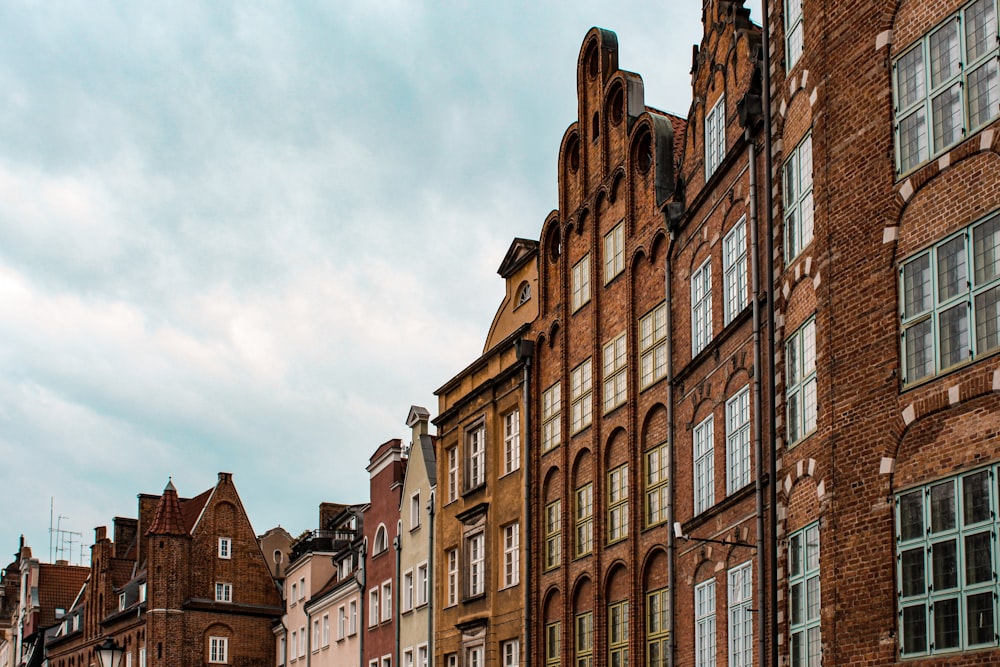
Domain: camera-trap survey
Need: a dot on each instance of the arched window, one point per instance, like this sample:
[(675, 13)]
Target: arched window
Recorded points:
[(524, 294), (381, 540)]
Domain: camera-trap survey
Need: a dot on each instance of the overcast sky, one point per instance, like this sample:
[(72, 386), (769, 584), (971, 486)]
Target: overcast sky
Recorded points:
[(246, 237)]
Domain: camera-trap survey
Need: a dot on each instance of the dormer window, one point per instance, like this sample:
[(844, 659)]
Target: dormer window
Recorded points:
[(121, 602)]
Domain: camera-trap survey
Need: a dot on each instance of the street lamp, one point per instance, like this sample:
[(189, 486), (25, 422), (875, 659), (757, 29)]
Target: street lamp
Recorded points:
[(109, 653)]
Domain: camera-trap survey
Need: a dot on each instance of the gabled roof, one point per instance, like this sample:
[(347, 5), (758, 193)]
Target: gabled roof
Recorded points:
[(58, 586), (520, 251)]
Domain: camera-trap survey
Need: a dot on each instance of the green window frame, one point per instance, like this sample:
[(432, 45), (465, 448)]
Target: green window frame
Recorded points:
[(946, 564), (797, 199), (950, 315), (804, 597), (800, 382), (945, 85)]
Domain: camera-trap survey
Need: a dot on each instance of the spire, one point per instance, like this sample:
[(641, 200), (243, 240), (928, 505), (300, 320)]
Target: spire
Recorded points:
[(168, 520)]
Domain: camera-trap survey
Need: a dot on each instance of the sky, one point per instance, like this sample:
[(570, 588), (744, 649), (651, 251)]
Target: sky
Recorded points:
[(248, 236)]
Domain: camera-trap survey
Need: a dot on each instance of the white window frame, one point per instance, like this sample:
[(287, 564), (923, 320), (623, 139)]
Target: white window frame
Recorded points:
[(701, 307), (551, 417), (653, 346), (352, 618), (475, 462), (408, 658), (614, 252), (452, 473), (408, 590), (615, 379), (452, 559), (916, 90), (581, 283), (225, 548), (476, 545), (510, 653), (797, 199), (223, 591), (618, 486), (415, 510), (715, 137), (511, 555), (422, 655), (316, 635), (741, 615), (801, 406), (387, 601), (581, 392), (475, 656), (738, 466), (303, 638), (218, 650), (704, 623), (703, 438), (341, 622), (735, 292), (511, 441), (420, 584), (806, 648), (373, 607), (794, 33)]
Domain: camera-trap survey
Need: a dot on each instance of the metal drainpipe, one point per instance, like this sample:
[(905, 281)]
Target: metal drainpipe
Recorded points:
[(757, 393), (309, 634), (526, 352), (671, 538), (363, 572), (428, 581), (398, 546), (769, 291)]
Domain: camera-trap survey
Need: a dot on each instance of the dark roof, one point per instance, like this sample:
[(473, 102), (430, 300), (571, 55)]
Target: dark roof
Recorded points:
[(168, 519), (58, 586)]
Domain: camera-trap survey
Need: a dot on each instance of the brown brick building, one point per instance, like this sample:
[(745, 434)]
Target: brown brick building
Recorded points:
[(184, 584)]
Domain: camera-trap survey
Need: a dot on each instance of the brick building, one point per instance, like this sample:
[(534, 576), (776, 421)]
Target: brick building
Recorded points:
[(184, 584), (480, 576)]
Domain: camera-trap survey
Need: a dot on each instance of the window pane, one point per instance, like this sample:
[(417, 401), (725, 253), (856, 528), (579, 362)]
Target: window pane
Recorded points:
[(978, 559), (812, 599), (795, 555), (917, 286), (947, 110), (910, 78), (911, 515), (807, 220), (815, 647), (952, 275), (942, 507), (912, 566), (912, 139), (797, 603), (914, 629), (980, 28), (976, 498), (919, 342), (984, 92), (979, 619), (946, 623), (986, 250), (944, 56), (954, 335), (988, 320), (798, 650), (944, 565)]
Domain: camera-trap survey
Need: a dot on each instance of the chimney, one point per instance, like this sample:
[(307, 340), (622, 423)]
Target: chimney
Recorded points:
[(225, 478), (125, 532), (417, 421)]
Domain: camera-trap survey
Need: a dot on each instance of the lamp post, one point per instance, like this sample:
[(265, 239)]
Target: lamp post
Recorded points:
[(109, 653)]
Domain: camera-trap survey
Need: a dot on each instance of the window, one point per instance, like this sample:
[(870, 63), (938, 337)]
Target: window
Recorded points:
[(381, 541), (618, 503), (373, 607), (581, 386), (302, 641), (452, 473), (281, 651), (121, 599), (475, 464), (421, 584), (452, 577), (553, 648), (584, 520), (415, 510), (653, 346), (803, 597), (800, 381), (704, 465), (386, 661), (511, 555), (946, 556), (704, 624), (715, 137), (510, 653), (738, 440), (352, 626), (422, 655), (584, 639), (451, 660), (295, 593), (553, 534), (218, 650), (701, 307), (386, 601), (474, 656), (657, 628), (524, 295), (615, 389), (614, 252), (225, 547), (741, 616), (128, 659), (551, 410), (511, 441), (341, 623), (618, 634), (294, 645), (142, 657), (142, 595), (223, 592), (302, 588), (408, 590), (793, 32), (408, 658), (656, 485), (316, 635), (734, 270), (949, 316), (798, 199), (581, 283), (945, 87), (477, 564)]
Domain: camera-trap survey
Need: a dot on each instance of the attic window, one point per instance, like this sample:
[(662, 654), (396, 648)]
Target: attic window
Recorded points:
[(121, 602), (524, 295), (60, 612), (644, 153)]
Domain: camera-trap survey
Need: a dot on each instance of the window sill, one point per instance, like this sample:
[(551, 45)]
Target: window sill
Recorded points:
[(471, 491), (617, 540), (474, 598), (614, 408), (551, 449)]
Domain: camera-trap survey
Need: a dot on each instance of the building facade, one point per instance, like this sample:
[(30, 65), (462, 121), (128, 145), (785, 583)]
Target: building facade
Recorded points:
[(480, 576)]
